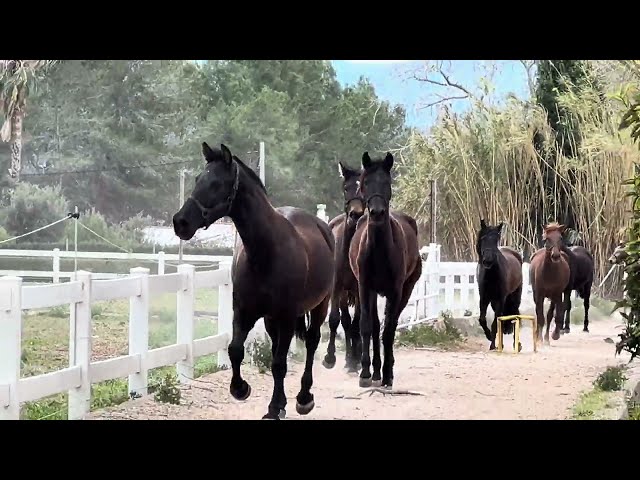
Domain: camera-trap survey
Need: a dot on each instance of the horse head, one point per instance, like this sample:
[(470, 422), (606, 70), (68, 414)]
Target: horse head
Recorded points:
[(375, 186), (619, 255), (213, 194), (487, 243), (353, 201), (552, 237)]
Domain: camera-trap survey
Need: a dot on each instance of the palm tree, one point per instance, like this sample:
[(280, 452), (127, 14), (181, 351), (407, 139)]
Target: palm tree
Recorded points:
[(17, 78)]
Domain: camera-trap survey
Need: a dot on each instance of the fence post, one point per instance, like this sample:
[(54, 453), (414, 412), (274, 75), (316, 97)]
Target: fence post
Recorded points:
[(225, 313), (56, 265), (139, 331), (160, 263), (80, 349), (185, 307), (434, 280), (321, 213), (10, 346)]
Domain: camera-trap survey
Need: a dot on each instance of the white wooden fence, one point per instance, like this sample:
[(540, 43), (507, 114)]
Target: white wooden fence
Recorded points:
[(80, 292)]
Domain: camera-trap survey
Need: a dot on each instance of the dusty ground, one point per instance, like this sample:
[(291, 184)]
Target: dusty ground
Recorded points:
[(468, 384)]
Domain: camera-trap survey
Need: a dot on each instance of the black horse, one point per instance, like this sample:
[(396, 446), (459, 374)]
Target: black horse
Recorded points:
[(385, 258), (345, 288), (581, 279), (499, 277), (283, 268)]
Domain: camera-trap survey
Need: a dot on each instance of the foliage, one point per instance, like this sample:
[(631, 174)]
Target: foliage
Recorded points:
[(630, 337), (123, 129), (260, 354), (611, 380), (429, 335), (487, 162), (167, 391), (33, 207)]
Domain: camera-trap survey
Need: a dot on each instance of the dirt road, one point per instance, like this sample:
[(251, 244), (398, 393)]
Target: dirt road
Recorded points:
[(468, 384)]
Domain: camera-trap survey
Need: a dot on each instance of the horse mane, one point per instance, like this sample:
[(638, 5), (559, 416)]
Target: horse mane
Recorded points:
[(552, 227), (251, 173)]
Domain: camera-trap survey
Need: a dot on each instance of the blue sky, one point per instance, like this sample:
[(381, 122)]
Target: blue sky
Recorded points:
[(389, 78)]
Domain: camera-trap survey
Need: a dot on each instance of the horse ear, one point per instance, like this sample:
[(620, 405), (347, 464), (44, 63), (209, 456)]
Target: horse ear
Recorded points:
[(483, 225), (226, 154), (500, 226), (562, 228), (388, 162), (341, 169), (366, 160), (209, 155)]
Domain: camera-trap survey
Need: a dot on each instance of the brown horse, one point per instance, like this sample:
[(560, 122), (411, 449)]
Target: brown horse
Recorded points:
[(345, 287), (385, 258), (282, 268), (550, 275)]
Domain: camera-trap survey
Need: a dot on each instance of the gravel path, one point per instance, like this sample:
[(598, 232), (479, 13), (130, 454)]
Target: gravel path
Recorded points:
[(468, 384)]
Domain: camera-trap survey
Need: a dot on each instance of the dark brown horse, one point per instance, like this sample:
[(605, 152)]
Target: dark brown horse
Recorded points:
[(345, 287), (282, 268), (499, 277), (549, 274), (385, 259), (582, 266)]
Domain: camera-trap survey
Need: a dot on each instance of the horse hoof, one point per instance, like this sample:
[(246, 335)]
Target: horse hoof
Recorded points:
[(585, 330), (519, 347), (376, 383), (328, 364), (555, 335), (282, 414), (241, 393), (305, 409), (269, 416), (365, 382)]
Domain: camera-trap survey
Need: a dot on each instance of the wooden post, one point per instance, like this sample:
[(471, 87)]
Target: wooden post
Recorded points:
[(262, 165), (139, 331), (185, 308), (56, 265), (80, 349), (434, 205), (161, 263), (180, 202), (225, 314), (10, 346)]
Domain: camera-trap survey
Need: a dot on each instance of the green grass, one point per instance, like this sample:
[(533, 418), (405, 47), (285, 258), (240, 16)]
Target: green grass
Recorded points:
[(429, 336), (634, 411), (592, 403), (45, 346)]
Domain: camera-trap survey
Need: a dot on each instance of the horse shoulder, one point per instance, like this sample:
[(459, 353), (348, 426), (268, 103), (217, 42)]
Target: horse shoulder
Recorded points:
[(336, 221)]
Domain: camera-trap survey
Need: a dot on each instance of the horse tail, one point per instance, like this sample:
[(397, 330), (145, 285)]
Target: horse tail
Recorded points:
[(301, 326)]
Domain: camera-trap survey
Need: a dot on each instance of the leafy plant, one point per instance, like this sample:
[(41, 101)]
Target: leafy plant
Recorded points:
[(167, 390), (611, 380)]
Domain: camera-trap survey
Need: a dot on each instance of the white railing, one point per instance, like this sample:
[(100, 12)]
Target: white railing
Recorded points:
[(56, 254), (79, 293)]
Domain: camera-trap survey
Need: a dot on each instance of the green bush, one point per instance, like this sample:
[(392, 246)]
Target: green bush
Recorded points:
[(32, 207)]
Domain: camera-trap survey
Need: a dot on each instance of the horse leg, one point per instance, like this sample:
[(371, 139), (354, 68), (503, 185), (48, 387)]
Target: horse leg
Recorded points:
[(345, 320), (242, 325), (375, 340), (586, 295), (497, 306), (558, 300), (304, 400), (484, 303), (392, 312), (367, 304), (334, 320), (549, 318), (567, 321), (356, 341), (282, 329), (539, 315)]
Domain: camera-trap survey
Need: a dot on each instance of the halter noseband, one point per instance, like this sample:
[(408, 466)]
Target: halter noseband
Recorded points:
[(207, 213)]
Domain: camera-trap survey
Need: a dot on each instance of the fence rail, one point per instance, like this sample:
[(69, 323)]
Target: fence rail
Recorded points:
[(442, 286), (82, 372)]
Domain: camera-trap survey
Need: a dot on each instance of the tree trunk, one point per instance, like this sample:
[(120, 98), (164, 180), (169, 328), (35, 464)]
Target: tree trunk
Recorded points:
[(16, 143)]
